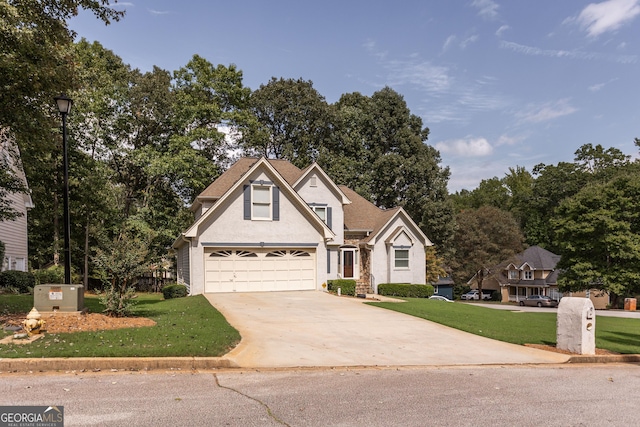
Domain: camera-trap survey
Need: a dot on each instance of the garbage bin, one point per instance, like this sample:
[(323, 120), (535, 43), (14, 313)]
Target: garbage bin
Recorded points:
[(630, 304)]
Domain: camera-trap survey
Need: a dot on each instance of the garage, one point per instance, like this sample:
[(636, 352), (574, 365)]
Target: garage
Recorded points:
[(259, 270)]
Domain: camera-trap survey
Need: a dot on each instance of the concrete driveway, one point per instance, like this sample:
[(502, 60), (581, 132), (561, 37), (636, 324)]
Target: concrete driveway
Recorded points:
[(311, 328)]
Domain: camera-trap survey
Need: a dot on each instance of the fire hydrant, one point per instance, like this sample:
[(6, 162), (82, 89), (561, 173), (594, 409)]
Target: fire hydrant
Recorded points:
[(33, 323)]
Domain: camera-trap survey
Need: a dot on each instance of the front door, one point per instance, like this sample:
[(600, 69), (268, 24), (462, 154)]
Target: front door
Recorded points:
[(348, 264)]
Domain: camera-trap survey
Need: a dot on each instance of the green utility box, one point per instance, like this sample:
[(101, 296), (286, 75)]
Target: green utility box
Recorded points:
[(64, 298)]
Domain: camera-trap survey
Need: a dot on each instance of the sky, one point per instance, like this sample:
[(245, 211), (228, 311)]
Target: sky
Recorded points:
[(499, 83)]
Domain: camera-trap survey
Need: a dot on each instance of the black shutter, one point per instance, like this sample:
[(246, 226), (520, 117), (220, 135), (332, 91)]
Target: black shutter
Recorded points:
[(329, 217), (276, 204), (247, 201)]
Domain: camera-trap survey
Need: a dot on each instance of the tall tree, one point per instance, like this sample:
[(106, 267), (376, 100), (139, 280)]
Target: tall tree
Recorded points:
[(598, 233), (484, 237), (35, 59), (379, 149), (289, 120)]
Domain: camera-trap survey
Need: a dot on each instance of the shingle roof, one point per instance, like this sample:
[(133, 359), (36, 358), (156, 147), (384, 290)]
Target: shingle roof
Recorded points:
[(361, 214), (217, 188), (538, 259)]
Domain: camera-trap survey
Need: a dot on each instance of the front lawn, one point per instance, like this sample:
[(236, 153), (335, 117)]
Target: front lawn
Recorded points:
[(612, 333), (185, 327)]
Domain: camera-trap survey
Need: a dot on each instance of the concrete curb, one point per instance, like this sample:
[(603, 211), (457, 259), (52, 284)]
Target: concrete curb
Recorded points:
[(609, 358), (117, 363), (96, 364)]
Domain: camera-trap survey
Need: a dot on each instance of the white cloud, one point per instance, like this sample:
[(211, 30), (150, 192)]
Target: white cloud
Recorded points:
[(597, 87), (502, 29), (571, 54), (466, 147), (488, 9), (509, 140), (546, 112), (158, 12), (448, 43), (466, 42), (609, 15)]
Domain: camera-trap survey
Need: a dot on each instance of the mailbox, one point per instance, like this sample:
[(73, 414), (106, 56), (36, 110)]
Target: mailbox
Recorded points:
[(64, 298), (576, 325)]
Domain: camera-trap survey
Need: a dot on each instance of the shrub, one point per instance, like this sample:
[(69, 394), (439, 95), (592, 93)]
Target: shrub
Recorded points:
[(347, 286), (174, 291), (116, 303), (405, 290), (51, 275), (21, 280)]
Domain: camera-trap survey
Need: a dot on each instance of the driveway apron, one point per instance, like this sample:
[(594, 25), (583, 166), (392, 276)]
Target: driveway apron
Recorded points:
[(311, 328)]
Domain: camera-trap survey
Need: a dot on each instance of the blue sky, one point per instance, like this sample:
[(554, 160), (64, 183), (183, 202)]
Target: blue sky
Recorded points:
[(499, 83)]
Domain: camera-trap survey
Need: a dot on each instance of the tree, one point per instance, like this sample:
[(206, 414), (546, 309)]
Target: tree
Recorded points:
[(434, 265), (123, 261), (35, 60), (598, 233), (484, 237), (379, 149), (289, 120)]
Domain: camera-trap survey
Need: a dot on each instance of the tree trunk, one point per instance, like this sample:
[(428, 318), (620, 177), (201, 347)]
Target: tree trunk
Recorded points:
[(85, 280)]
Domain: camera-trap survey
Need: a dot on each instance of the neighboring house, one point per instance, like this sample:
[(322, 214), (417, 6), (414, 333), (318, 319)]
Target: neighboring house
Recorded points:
[(531, 272), (444, 287), (14, 233), (266, 225)]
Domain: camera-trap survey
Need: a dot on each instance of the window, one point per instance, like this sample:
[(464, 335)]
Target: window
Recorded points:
[(513, 274), (261, 202), (321, 211), (401, 258), (528, 275)]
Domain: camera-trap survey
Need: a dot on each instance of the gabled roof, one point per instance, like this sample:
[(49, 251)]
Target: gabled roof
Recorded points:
[(536, 258), (332, 185), (217, 188), (363, 216), (235, 177)]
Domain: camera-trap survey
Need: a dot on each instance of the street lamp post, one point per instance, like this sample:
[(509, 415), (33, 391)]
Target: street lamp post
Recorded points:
[(64, 105)]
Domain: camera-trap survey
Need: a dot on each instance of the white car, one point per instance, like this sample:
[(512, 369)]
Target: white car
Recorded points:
[(475, 295), (440, 298)]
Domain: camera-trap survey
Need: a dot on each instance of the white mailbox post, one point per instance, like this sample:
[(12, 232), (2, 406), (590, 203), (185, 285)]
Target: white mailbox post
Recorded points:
[(576, 325)]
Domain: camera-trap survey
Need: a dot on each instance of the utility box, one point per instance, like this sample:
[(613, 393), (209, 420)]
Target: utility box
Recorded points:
[(576, 325), (630, 304), (63, 298)]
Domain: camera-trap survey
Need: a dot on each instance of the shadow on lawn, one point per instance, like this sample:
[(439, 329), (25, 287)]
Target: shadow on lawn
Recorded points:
[(622, 338)]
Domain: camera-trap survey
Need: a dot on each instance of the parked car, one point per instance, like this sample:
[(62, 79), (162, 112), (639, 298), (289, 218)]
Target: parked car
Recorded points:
[(440, 298), (539, 301), (474, 294)]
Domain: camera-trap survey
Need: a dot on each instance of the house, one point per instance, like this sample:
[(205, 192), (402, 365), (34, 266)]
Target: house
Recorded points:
[(266, 225), (532, 272), (444, 287), (13, 233)]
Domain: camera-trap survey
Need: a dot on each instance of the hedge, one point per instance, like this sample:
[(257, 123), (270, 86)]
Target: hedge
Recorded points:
[(174, 291), (22, 281), (347, 286), (405, 290)]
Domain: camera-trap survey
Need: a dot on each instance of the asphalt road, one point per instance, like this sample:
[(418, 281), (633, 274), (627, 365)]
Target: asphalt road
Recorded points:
[(550, 395)]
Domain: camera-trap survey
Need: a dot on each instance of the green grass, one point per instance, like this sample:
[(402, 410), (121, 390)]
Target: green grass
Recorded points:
[(185, 327), (620, 335)]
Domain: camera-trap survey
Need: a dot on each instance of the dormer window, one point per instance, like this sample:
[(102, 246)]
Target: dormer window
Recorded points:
[(528, 275), (513, 275)]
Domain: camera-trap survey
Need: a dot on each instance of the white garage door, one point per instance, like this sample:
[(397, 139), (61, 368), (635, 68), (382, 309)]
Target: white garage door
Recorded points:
[(255, 270)]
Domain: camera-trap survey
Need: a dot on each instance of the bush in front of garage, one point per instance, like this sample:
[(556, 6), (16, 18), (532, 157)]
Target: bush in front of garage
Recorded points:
[(174, 291), (405, 290), (347, 286)]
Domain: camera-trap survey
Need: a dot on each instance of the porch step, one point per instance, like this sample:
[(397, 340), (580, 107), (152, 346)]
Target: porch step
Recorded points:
[(363, 287)]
